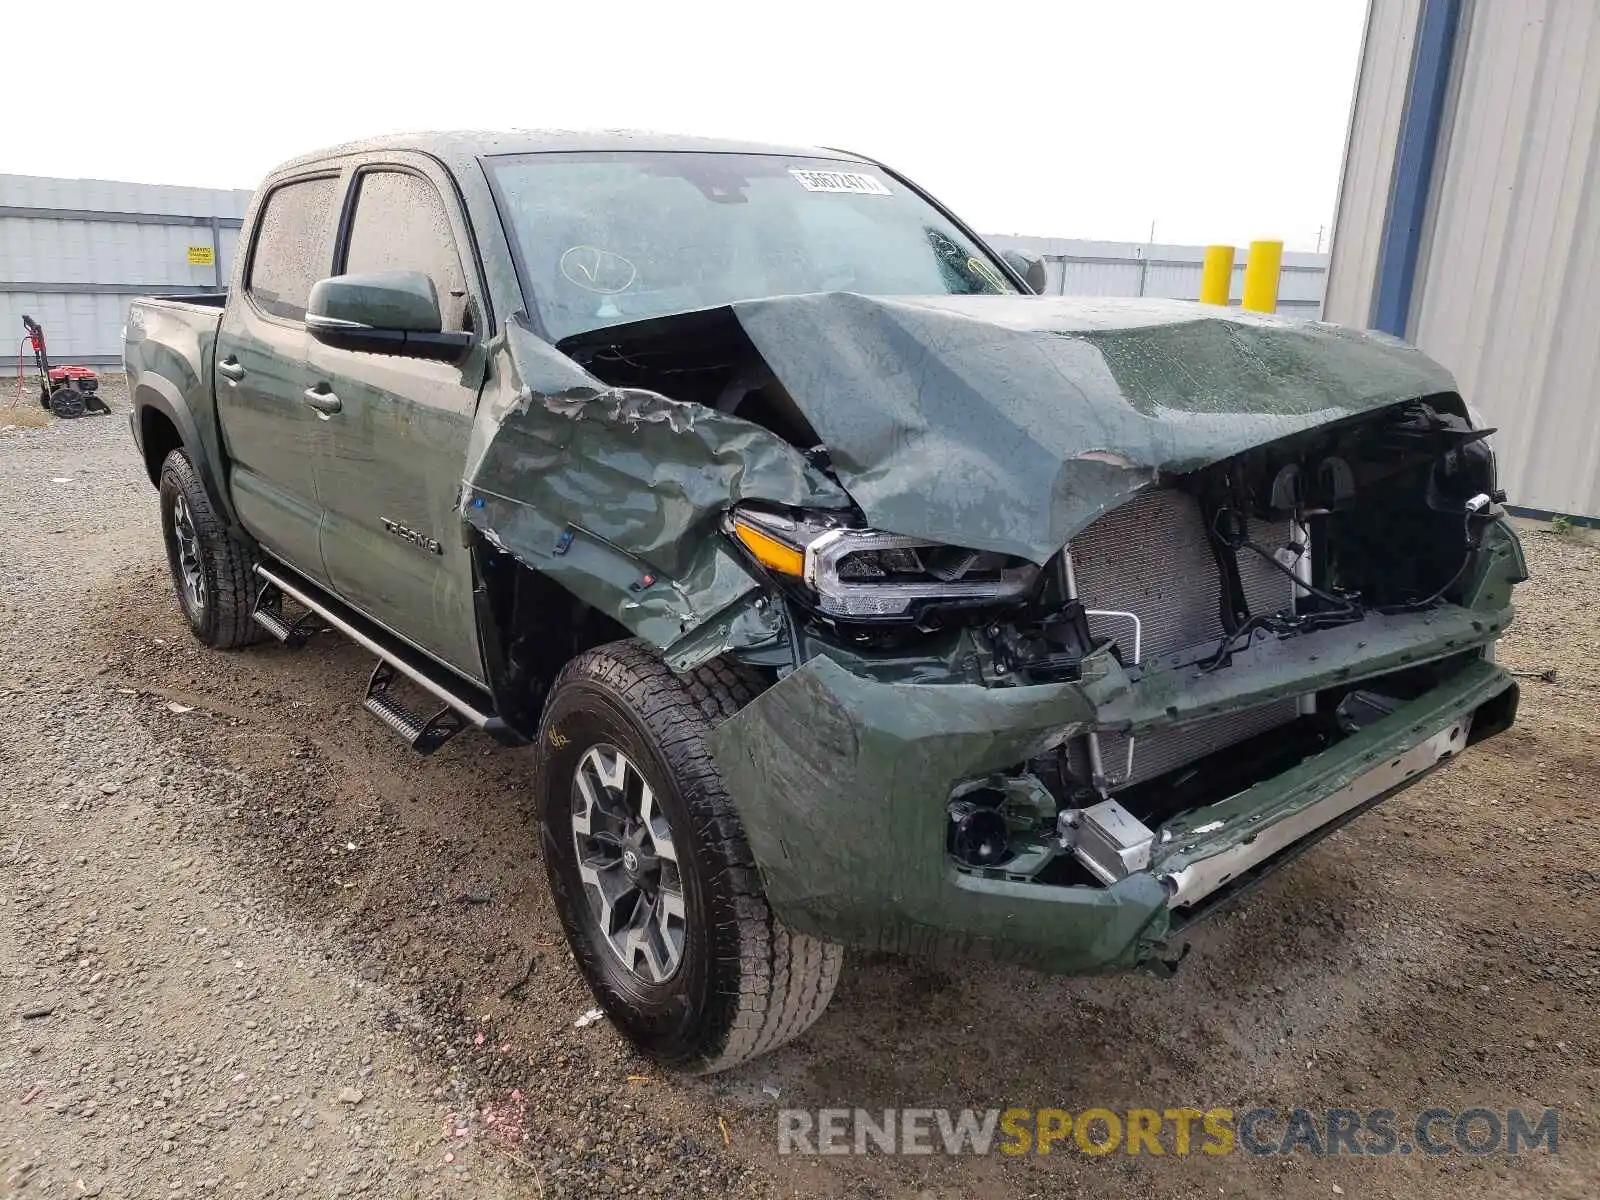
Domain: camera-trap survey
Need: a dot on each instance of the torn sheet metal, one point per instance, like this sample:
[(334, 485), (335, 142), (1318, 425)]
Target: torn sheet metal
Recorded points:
[(615, 493), (1001, 423), (841, 784), (1008, 423)]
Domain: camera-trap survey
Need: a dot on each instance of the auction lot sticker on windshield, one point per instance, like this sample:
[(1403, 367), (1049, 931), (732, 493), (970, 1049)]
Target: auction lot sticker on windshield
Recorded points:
[(840, 181)]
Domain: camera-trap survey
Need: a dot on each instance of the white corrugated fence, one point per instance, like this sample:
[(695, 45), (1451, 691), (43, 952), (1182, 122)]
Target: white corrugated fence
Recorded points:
[(74, 251)]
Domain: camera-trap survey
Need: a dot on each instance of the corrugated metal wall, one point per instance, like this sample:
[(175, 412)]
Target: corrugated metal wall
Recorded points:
[(1088, 268), (1509, 287), (1507, 291), (74, 251), (1370, 145)]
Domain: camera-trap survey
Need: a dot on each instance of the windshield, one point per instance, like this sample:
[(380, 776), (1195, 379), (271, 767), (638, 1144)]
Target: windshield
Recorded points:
[(605, 238)]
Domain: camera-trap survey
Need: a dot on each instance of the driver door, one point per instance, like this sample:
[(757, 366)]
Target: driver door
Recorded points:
[(391, 534)]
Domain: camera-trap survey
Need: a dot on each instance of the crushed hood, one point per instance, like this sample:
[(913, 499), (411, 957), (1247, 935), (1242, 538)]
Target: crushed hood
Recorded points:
[(995, 423), (1010, 423)]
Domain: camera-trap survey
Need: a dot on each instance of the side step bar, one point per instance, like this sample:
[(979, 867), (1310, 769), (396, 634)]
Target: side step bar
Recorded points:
[(394, 659), (423, 736), (267, 612)]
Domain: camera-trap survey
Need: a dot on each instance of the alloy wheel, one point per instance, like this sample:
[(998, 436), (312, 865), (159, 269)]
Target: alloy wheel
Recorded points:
[(628, 864), (190, 570)]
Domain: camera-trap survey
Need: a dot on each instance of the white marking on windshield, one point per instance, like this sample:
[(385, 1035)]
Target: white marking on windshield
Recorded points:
[(840, 181)]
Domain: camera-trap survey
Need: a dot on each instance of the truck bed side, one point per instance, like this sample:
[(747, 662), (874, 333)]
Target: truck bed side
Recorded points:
[(168, 352)]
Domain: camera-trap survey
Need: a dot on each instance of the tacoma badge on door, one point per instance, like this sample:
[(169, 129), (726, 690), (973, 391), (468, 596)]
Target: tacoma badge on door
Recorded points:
[(420, 540)]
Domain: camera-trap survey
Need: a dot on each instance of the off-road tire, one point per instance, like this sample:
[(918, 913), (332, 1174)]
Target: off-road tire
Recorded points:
[(228, 563), (745, 984)]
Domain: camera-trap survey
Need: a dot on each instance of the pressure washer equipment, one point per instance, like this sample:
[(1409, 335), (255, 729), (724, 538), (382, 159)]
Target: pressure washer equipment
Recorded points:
[(66, 391)]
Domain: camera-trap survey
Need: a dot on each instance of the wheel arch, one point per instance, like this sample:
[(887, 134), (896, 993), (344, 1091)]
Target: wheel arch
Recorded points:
[(158, 437), (530, 628), (164, 424)]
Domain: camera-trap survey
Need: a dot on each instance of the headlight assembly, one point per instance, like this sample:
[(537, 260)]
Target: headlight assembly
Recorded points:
[(863, 574)]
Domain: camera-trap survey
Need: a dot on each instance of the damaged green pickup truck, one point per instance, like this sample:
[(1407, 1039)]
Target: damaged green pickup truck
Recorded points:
[(852, 593)]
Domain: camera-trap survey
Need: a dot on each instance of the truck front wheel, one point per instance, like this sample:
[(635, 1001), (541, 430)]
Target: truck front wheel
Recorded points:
[(651, 873), (212, 571)]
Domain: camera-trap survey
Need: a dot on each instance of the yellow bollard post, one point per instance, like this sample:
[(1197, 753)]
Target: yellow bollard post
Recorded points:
[(1261, 272), (1216, 276)]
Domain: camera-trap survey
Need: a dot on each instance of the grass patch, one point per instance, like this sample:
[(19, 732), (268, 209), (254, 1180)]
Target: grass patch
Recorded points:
[(24, 416)]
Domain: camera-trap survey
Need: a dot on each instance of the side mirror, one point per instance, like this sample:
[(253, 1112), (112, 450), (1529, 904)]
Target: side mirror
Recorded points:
[(1030, 267), (383, 312)]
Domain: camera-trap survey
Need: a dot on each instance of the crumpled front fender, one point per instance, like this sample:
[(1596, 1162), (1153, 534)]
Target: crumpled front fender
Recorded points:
[(841, 782), (615, 493)]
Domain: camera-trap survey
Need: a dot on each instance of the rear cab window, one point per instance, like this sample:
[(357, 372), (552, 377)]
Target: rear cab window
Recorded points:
[(291, 248), (400, 223)]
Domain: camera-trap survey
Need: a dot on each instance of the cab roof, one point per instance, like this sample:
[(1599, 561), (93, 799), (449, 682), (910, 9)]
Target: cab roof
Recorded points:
[(458, 147)]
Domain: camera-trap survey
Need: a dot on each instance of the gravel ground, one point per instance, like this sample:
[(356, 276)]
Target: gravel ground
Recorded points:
[(253, 946)]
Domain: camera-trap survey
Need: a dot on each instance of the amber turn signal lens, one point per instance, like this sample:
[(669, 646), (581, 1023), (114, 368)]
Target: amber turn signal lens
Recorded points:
[(769, 551)]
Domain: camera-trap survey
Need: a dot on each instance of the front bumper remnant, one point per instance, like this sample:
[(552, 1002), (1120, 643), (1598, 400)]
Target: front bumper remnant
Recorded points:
[(842, 781), (1200, 876)]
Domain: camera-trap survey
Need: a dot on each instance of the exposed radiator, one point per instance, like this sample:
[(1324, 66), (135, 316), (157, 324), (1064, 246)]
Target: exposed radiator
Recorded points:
[(1151, 557)]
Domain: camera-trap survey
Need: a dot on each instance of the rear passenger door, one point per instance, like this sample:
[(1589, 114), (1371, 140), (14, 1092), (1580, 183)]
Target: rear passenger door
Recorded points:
[(272, 436), (391, 535)]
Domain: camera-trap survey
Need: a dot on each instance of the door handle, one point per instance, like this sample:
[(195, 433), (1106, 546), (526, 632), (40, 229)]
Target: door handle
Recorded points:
[(323, 400), (231, 369)]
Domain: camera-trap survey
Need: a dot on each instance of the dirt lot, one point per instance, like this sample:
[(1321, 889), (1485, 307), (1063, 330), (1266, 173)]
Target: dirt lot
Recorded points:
[(253, 946)]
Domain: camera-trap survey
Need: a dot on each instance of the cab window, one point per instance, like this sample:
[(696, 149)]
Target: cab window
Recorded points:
[(291, 246), (401, 224)]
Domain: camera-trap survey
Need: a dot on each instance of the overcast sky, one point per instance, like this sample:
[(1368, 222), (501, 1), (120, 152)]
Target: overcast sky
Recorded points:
[(1219, 120)]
